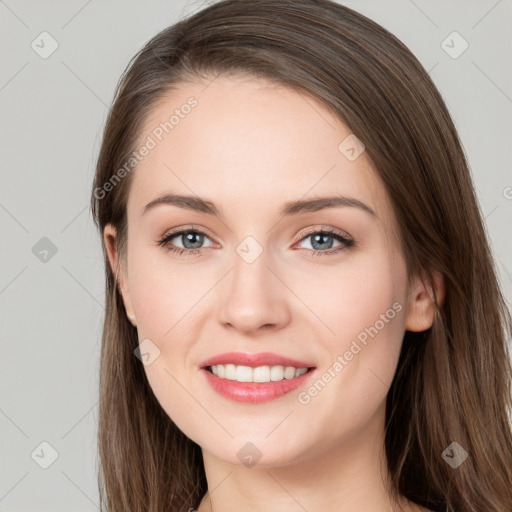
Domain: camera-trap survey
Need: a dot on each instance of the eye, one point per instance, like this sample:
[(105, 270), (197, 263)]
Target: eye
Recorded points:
[(323, 240), (192, 240)]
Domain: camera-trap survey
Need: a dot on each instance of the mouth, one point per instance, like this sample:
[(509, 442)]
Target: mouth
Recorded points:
[(255, 385), (255, 377), (258, 374)]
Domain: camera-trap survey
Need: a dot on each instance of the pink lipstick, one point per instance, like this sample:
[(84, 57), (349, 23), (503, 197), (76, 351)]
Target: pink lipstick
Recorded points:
[(255, 392)]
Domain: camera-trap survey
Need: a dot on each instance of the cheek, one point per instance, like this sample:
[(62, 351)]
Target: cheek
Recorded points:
[(362, 309), (165, 298), (349, 298), (164, 293)]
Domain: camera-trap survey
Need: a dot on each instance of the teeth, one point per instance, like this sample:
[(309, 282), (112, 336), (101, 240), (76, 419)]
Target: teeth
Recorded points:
[(258, 374)]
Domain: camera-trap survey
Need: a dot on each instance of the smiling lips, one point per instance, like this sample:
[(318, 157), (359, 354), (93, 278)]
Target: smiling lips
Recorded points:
[(255, 378), (254, 360)]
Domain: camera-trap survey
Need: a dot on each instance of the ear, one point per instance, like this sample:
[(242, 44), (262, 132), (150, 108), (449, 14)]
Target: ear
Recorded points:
[(421, 305), (111, 245)]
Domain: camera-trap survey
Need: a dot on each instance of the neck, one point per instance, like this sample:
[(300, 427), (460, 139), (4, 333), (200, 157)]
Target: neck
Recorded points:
[(351, 475)]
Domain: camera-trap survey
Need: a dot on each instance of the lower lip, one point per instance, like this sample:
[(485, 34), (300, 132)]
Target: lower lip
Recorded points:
[(255, 392)]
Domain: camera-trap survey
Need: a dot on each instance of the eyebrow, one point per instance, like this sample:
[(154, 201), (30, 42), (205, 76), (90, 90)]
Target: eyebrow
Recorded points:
[(290, 208)]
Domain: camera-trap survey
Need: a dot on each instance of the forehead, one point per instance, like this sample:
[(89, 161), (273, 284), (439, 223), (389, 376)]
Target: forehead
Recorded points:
[(248, 142)]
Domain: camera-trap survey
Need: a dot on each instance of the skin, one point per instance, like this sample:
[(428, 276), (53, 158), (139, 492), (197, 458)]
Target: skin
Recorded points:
[(250, 146)]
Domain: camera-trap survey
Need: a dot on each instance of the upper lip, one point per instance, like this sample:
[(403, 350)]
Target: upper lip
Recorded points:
[(254, 360)]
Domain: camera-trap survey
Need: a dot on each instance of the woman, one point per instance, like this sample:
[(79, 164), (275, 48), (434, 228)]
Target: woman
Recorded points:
[(246, 366)]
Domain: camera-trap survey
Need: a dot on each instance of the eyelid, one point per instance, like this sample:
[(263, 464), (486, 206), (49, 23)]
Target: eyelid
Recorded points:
[(322, 228), (191, 227)]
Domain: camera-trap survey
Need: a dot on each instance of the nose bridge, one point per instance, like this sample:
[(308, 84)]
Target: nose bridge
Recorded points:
[(254, 296)]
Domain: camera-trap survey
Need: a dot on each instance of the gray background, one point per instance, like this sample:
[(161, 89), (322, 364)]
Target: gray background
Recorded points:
[(52, 113)]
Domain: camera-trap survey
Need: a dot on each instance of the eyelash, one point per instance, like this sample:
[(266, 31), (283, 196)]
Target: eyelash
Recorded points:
[(345, 241)]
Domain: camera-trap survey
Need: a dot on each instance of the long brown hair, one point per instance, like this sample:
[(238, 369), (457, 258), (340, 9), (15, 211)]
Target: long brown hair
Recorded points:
[(452, 383)]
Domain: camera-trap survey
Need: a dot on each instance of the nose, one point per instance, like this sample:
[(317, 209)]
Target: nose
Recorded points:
[(254, 297)]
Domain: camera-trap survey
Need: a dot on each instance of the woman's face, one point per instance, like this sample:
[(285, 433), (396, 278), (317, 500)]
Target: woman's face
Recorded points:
[(264, 282)]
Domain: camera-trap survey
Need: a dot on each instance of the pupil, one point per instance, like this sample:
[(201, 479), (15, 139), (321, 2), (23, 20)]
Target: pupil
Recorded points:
[(318, 245), (189, 237)]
